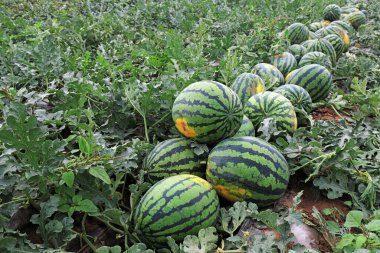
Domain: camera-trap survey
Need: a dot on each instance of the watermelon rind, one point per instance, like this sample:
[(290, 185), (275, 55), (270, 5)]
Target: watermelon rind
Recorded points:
[(207, 112), (176, 206), (248, 169)]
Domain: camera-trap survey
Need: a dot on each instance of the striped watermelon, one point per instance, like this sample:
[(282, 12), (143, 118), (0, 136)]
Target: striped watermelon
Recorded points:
[(316, 58), (332, 12), (312, 36), (356, 19), (247, 85), (365, 12), (345, 26), (297, 51), (297, 95), (337, 43), (297, 33), (284, 62), (207, 112), (315, 26), (290, 74), (248, 169), (271, 105), (315, 79), (246, 128), (349, 9), (335, 30), (170, 158), (176, 206), (321, 45), (269, 73)]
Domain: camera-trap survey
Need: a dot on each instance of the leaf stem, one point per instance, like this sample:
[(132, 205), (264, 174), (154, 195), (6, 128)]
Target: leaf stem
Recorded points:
[(160, 120), (324, 156), (108, 224)]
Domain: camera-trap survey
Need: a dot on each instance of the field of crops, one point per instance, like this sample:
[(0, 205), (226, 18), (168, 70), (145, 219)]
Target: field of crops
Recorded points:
[(189, 126)]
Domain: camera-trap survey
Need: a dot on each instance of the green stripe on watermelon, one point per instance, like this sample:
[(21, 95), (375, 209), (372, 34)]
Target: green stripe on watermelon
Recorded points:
[(297, 95), (248, 169), (284, 62), (172, 157), (321, 45), (297, 33), (207, 112), (345, 26), (176, 206), (315, 26), (333, 29), (247, 85), (271, 105), (316, 58), (356, 19), (337, 43), (315, 79), (332, 12), (271, 76), (246, 128), (297, 51)]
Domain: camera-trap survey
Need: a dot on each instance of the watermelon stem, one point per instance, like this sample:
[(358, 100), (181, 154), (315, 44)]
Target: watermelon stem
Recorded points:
[(160, 120), (323, 157), (142, 114)]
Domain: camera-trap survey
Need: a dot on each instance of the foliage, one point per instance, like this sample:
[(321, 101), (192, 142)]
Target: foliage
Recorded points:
[(86, 89)]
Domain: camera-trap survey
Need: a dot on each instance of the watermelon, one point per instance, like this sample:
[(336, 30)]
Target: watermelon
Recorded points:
[(335, 30), (271, 105), (297, 95), (269, 73), (345, 26), (290, 74), (349, 9), (312, 36), (321, 45), (248, 169), (332, 12), (337, 43), (313, 27), (170, 158), (365, 12), (316, 58), (297, 33), (207, 112), (356, 19), (247, 85), (246, 128), (284, 62), (315, 79), (297, 51), (176, 206)]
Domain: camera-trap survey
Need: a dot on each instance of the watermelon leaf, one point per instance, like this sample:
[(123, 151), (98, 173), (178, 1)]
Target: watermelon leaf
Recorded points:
[(205, 242), (138, 248), (232, 218)]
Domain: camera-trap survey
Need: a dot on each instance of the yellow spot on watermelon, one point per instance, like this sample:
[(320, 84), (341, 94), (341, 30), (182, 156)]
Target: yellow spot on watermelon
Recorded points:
[(294, 121), (345, 38), (260, 88), (232, 194), (325, 23), (183, 128), (202, 182), (289, 75)]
